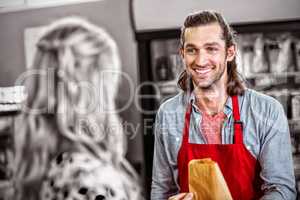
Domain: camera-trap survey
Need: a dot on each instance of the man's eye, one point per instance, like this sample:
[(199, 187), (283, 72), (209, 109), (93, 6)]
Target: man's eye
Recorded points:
[(212, 49), (191, 50)]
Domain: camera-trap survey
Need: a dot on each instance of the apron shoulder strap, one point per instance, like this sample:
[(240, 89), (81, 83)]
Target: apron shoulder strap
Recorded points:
[(187, 120), (238, 124)]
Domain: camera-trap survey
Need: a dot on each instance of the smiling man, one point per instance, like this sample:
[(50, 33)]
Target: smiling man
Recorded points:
[(216, 116)]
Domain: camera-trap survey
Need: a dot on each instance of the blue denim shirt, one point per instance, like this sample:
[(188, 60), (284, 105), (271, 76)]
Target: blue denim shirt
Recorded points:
[(266, 136)]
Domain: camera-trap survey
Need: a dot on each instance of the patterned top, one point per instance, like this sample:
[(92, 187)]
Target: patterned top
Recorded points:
[(211, 127), (81, 176)]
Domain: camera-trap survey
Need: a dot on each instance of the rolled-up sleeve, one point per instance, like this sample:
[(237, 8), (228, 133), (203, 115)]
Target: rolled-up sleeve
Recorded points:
[(163, 185), (276, 157)]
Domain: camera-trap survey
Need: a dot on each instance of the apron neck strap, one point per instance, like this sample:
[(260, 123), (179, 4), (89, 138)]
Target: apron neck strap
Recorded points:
[(187, 120), (238, 124)]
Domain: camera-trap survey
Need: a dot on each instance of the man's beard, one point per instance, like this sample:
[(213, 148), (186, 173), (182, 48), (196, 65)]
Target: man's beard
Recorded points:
[(213, 82)]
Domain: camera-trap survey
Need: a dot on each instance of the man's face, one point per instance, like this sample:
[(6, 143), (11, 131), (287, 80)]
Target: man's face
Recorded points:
[(205, 56)]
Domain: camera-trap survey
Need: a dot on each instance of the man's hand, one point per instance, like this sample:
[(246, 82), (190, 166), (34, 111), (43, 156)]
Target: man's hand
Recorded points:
[(182, 196)]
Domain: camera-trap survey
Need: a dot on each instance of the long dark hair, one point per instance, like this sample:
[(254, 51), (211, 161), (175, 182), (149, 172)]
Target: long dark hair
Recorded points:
[(235, 85)]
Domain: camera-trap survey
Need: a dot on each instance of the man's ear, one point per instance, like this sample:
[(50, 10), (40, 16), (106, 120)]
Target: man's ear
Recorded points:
[(181, 52), (231, 53)]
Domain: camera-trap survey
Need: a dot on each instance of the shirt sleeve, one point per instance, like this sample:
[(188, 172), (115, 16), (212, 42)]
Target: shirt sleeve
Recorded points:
[(163, 184), (276, 157)]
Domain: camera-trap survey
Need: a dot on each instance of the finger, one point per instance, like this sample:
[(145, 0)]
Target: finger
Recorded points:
[(178, 196), (189, 196)]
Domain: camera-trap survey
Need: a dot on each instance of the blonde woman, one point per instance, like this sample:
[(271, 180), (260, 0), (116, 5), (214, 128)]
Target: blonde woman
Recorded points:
[(70, 144)]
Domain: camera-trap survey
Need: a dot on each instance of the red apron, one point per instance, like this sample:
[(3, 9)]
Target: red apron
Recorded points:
[(240, 169)]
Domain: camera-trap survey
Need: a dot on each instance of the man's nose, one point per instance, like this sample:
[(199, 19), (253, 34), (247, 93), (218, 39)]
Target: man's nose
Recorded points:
[(201, 59)]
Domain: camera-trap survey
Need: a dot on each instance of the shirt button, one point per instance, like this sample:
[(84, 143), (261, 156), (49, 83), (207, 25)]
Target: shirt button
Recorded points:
[(248, 147), (177, 139)]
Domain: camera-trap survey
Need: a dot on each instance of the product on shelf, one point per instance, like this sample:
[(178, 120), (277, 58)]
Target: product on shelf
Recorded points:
[(176, 65), (272, 47), (295, 145), (247, 53), (280, 55), (297, 57), (296, 105), (163, 69), (297, 53), (165, 59), (296, 159), (260, 64), (264, 82)]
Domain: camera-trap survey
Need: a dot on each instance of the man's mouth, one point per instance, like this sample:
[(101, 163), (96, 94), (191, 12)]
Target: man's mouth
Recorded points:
[(202, 71)]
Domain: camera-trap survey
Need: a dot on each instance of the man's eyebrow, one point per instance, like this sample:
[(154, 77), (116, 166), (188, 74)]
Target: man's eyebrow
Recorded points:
[(212, 44), (190, 45), (206, 44)]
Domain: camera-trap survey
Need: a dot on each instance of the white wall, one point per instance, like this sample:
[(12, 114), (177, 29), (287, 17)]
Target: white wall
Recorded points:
[(155, 14)]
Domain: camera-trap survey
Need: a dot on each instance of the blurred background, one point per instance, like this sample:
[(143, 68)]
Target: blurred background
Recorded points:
[(147, 34)]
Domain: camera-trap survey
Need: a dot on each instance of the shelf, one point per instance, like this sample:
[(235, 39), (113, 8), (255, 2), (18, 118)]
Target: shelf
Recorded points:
[(168, 83), (273, 75), (252, 76), (167, 87)]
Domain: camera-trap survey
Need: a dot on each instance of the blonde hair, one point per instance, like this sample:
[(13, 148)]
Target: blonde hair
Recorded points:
[(71, 54)]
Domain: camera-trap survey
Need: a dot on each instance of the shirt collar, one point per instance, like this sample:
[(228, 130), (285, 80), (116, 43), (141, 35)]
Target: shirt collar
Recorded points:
[(227, 109)]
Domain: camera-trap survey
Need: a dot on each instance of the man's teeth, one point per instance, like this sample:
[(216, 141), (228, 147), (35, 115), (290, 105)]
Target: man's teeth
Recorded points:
[(202, 71)]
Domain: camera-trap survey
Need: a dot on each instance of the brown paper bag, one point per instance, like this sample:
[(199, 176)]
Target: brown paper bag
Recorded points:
[(206, 181)]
